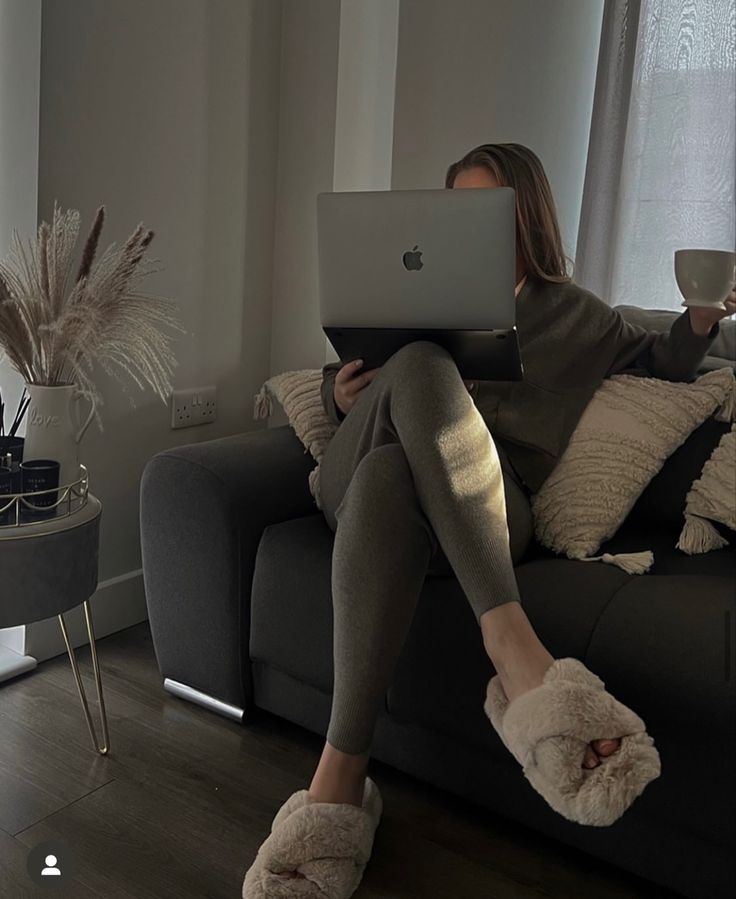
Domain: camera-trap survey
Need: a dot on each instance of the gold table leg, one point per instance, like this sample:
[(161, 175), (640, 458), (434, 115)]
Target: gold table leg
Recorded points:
[(103, 750)]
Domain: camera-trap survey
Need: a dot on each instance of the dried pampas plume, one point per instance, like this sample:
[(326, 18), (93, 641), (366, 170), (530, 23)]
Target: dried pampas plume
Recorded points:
[(53, 329)]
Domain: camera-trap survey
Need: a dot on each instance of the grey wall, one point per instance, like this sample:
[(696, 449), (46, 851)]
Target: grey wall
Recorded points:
[(473, 71), (167, 113)]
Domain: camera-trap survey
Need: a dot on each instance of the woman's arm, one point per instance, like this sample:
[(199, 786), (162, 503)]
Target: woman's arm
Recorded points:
[(673, 355)]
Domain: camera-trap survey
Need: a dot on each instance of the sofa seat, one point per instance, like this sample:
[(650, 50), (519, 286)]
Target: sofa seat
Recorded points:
[(291, 600), (624, 627), (300, 591)]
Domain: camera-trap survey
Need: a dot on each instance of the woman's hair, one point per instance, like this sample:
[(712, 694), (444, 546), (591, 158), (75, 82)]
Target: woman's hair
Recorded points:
[(537, 230)]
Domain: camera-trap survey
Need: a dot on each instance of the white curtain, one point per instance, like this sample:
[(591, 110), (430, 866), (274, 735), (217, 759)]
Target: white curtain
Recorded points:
[(662, 153)]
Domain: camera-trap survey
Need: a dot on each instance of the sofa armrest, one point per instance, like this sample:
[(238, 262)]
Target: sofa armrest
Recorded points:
[(203, 509)]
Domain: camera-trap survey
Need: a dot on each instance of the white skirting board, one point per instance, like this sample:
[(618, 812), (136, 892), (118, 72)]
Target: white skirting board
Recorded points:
[(13, 663)]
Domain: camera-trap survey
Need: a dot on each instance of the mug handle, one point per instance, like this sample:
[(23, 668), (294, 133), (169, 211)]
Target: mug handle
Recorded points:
[(80, 433)]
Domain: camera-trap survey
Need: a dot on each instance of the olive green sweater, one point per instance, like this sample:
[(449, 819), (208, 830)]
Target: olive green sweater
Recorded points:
[(570, 340)]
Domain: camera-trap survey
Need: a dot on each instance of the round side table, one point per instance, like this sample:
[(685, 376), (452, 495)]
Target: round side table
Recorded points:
[(47, 568)]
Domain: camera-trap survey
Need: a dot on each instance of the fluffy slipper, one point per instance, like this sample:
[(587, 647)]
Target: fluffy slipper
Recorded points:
[(548, 728), (328, 842)]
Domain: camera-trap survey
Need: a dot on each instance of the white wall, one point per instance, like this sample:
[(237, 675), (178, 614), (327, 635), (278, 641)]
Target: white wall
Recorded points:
[(216, 124), (166, 112), (366, 84), (306, 157), (467, 72), (364, 108), (509, 71), (20, 67)]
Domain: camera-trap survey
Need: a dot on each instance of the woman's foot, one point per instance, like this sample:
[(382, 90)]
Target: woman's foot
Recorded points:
[(521, 660), (340, 777)]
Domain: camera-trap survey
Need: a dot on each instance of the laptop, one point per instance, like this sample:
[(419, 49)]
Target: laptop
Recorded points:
[(397, 266)]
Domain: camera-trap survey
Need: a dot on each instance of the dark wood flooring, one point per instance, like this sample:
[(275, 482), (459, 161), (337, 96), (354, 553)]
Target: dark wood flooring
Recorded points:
[(185, 798)]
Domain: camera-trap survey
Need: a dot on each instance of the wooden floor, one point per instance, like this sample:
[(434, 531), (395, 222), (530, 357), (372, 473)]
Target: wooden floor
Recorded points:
[(184, 800)]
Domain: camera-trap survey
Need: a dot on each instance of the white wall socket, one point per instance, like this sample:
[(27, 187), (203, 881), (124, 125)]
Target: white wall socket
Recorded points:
[(194, 406)]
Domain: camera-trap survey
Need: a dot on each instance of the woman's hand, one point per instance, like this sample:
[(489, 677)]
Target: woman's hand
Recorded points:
[(349, 381), (702, 319)]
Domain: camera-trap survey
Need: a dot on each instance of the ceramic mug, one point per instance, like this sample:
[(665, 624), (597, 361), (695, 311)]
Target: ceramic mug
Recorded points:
[(705, 277)]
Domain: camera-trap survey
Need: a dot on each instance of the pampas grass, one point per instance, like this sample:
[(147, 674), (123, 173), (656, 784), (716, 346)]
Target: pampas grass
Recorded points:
[(54, 325)]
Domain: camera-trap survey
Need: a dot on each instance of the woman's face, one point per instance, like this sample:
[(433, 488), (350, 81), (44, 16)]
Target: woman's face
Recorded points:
[(481, 177), (476, 177)]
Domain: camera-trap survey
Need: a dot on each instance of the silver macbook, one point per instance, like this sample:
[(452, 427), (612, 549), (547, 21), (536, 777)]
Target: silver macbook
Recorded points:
[(397, 266)]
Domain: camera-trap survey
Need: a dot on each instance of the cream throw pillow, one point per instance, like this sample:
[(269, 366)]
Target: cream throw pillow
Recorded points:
[(712, 496), (628, 429), (299, 394)]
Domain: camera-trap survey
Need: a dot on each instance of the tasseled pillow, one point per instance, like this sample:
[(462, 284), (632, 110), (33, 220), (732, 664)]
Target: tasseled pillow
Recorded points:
[(298, 392), (711, 498), (627, 431)]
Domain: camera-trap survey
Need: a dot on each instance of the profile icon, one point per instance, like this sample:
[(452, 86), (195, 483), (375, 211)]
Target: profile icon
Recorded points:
[(45, 869), (51, 870)]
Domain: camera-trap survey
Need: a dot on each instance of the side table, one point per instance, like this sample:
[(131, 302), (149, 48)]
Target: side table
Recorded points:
[(47, 568)]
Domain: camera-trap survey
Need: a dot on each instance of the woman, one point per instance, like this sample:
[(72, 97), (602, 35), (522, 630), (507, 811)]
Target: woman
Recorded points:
[(422, 476)]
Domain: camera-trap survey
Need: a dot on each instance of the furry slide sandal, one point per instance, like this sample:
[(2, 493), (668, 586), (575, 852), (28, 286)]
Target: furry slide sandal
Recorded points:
[(328, 842), (548, 728)]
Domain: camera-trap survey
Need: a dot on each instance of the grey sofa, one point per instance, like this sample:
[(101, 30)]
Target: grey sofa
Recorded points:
[(239, 603)]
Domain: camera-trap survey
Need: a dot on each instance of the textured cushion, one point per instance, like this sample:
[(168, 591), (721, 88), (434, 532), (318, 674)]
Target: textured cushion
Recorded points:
[(299, 394), (627, 431), (712, 496)]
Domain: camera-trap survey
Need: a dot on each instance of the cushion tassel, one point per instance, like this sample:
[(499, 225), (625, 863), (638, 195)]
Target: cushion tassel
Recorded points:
[(262, 405), (727, 411), (631, 563), (699, 536)]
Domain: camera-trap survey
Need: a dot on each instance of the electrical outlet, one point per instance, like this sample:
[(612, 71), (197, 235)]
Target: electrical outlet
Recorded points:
[(194, 406)]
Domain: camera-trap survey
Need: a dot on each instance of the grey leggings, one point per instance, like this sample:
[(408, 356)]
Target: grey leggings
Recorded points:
[(417, 485)]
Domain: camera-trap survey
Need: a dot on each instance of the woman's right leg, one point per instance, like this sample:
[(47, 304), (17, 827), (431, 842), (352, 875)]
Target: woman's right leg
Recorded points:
[(384, 540), (383, 544)]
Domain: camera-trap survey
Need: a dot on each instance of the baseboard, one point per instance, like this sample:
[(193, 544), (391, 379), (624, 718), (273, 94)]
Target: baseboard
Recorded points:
[(13, 663), (13, 638), (118, 602)]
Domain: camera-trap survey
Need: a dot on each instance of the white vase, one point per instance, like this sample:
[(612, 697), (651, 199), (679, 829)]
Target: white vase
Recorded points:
[(54, 427)]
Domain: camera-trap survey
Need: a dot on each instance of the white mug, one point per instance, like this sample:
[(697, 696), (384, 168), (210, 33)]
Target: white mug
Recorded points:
[(705, 277)]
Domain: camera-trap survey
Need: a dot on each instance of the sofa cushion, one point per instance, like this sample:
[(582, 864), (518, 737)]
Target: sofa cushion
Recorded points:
[(292, 582), (443, 670), (665, 641), (662, 503), (626, 433)]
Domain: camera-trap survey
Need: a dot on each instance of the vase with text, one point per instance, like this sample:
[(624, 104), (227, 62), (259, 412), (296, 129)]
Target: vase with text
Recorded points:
[(54, 427)]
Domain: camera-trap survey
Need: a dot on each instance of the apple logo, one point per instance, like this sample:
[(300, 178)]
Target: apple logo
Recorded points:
[(412, 260)]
